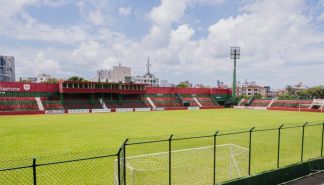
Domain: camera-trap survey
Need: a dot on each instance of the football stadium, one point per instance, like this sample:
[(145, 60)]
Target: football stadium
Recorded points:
[(78, 107), (124, 133)]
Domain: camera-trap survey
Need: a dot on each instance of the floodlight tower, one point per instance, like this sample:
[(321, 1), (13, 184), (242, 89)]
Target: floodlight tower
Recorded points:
[(235, 54)]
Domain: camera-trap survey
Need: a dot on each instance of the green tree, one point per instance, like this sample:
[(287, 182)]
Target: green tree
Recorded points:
[(52, 81), (257, 96), (286, 96), (315, 92), (76, 79), (182, 85), (290, 90), (25, 81)]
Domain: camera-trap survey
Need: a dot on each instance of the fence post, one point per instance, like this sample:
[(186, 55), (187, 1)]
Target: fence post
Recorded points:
[(118, 165), (34, 171), (170, 139), (322, 139), (279, 137), (250, 148), (214, 178), (302, 146), (124, 161)]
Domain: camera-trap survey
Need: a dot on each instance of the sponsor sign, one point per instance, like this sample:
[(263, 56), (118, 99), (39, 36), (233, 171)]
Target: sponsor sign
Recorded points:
[(101, 110), (250, 107), (193, 108), (54, 112), (124, 110), (77, 111), (159, 109), (142, 109)]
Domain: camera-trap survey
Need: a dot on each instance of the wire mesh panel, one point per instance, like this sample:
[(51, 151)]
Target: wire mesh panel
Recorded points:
[(91, 168), (264, 150), (19, 176), (236, 165), (312, 141), (147, 163), (231, 162), (189, 166), (290, 147), (192, 160)]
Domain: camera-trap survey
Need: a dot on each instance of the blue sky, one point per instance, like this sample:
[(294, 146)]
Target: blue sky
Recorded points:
[(282, 42)]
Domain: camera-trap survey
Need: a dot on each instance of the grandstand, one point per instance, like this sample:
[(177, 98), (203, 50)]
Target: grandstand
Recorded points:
[(79, 97), (68, 96), (315, 105)]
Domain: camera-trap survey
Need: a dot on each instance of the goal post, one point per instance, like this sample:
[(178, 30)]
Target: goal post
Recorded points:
[(189, 166), (304, 106)]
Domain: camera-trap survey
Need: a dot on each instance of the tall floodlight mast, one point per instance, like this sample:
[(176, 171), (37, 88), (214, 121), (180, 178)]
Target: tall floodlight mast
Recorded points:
[(235, 54)]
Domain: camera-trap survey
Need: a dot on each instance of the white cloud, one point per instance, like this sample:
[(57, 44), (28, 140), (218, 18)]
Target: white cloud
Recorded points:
[(168, 12), (321, 17), (278, 41), (38, 64), (125, 11), (85, 51), (96, 18)]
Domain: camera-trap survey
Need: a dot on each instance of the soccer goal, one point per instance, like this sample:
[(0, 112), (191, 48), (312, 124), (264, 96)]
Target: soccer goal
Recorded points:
[(193, 166)]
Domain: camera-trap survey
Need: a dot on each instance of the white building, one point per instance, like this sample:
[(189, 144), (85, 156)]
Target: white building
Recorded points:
[(251, 89), (41, 78), (104, 75), (148, 78), (165, 83), (116, 74), (120, 72)]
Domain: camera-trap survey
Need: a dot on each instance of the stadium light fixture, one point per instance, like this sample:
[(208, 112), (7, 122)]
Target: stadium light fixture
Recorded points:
[(235, 54)]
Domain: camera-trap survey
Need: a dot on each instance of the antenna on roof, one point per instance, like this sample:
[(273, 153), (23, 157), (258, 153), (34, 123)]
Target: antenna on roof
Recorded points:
[(148, 65)]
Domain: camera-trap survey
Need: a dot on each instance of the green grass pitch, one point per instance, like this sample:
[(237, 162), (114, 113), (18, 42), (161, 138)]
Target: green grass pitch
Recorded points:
[(43, 135)]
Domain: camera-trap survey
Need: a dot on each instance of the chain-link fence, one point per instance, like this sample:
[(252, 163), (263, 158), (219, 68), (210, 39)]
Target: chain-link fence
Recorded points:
[(95, 167), (196, 159), (219, 156)]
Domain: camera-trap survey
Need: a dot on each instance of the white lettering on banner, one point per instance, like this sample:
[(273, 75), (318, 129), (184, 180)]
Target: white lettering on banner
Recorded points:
[(77, 111), (250, 107), (193, 108), (54, 112), (159, 109), (101, 110), (142, 109), (124, 110), (9, 89)]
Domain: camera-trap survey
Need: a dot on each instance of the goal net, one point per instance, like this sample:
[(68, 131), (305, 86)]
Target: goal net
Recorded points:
[(193, 166)]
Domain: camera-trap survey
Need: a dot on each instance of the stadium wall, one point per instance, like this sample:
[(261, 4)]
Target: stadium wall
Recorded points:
[(22, 112), (294, 109)]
